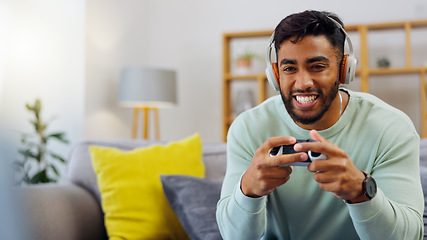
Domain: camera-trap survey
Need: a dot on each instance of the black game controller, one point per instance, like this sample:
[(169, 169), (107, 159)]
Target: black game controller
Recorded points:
[(289, 149)]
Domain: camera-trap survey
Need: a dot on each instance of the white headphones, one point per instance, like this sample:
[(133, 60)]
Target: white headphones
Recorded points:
[(347, 67)]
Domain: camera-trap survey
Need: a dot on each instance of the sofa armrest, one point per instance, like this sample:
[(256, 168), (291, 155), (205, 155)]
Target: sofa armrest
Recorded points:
[(62, 211)]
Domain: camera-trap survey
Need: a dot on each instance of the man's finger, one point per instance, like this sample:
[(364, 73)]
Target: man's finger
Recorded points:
[(316, 136), (286, 159)]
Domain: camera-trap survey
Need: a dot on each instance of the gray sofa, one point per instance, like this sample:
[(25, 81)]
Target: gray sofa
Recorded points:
[(72, 211)]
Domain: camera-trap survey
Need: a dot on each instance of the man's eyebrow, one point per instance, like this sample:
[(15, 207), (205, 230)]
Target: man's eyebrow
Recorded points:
[(311, 60), (287, 61), (318, 59)]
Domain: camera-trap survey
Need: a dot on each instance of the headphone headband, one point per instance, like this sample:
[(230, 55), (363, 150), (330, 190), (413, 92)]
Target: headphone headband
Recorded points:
[(347, 70), (350, 44)]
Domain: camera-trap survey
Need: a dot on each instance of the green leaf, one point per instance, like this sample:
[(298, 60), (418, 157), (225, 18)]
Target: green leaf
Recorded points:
[(29, 108), (56, 156), (55, 170), (35, 124), (28, 153), (57, 135), (40, 177), (37, 106), (60, 136)]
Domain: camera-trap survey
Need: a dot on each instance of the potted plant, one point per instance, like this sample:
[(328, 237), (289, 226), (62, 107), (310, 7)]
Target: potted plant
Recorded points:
[(35, 152), (245, 60)]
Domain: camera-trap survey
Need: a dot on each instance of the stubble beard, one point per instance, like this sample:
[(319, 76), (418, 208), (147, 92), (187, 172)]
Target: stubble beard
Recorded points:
[(327, 100)]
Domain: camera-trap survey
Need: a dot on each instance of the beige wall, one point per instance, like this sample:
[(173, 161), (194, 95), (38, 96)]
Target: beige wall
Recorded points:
[(186, 36), (74, 51), (70, 53), (42, 52)]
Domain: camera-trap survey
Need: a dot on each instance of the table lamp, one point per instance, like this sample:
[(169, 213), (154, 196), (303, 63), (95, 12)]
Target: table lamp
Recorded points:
[(147, 89)]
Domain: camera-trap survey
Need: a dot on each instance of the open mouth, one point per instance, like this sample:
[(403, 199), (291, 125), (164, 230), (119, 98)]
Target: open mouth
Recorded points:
[(306, 99)]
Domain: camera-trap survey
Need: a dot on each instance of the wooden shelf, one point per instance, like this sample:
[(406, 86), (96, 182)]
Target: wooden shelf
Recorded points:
[(231, 77), (393, 71), (247, 34), (396, 25), (386, 71), (364, 72)]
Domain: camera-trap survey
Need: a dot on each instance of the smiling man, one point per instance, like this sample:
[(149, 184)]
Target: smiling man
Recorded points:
[(366, 185)]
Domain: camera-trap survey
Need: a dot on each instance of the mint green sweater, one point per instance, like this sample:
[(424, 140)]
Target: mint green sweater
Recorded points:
[(379, 139)]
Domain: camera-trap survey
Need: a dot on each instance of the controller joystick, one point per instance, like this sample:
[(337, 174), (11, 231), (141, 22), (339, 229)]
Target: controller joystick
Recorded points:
[(289, 149)]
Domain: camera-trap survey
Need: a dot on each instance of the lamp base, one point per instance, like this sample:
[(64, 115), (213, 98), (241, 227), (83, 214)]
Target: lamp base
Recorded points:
[(146, 110)]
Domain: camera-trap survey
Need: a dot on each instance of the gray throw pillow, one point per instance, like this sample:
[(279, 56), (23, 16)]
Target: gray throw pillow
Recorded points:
[(423, 172), (194, 202)]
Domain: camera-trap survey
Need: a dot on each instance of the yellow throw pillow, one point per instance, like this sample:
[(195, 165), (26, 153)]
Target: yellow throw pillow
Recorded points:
[(133, 201)]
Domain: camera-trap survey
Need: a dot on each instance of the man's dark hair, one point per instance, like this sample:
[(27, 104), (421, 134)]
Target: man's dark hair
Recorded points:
[(310, 22)]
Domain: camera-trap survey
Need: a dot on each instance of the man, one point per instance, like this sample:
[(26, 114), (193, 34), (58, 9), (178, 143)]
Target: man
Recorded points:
[(369, 185)]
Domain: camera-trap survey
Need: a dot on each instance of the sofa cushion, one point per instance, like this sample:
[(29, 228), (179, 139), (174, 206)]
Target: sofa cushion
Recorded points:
[(194, 202), (80, 168), (423, 152), (81, 173), (215, 160), (133, 201)]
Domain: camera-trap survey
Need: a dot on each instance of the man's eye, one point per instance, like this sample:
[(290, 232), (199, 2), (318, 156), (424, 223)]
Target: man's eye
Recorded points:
[(288, 69), (318, 67)]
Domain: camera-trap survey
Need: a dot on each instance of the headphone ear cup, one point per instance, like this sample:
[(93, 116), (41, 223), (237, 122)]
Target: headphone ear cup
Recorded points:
[(273, 76), (343, 69), (271, 71), (276, 72), (347, 69)]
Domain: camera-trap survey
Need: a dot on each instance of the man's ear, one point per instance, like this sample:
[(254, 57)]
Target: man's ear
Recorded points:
[(276, 72)]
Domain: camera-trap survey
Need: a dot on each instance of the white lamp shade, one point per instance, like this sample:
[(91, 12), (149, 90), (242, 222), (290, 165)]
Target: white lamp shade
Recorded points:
[(140, 86)]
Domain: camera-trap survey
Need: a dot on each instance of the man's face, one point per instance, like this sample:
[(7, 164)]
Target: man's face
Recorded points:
[(309, 83)]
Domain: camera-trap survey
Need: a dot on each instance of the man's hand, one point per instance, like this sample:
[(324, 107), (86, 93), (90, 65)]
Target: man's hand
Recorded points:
[(337, 174), (265, 173)]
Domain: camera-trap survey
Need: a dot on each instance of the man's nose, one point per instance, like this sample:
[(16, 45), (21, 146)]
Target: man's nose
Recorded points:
[(303, 80)]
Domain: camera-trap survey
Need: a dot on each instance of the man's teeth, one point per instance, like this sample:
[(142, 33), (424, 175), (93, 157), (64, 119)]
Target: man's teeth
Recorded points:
[(305, 99)]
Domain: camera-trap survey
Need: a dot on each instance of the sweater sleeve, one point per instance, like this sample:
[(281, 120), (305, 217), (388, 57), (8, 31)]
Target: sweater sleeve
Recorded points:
[(396, 211), (239, 216)]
